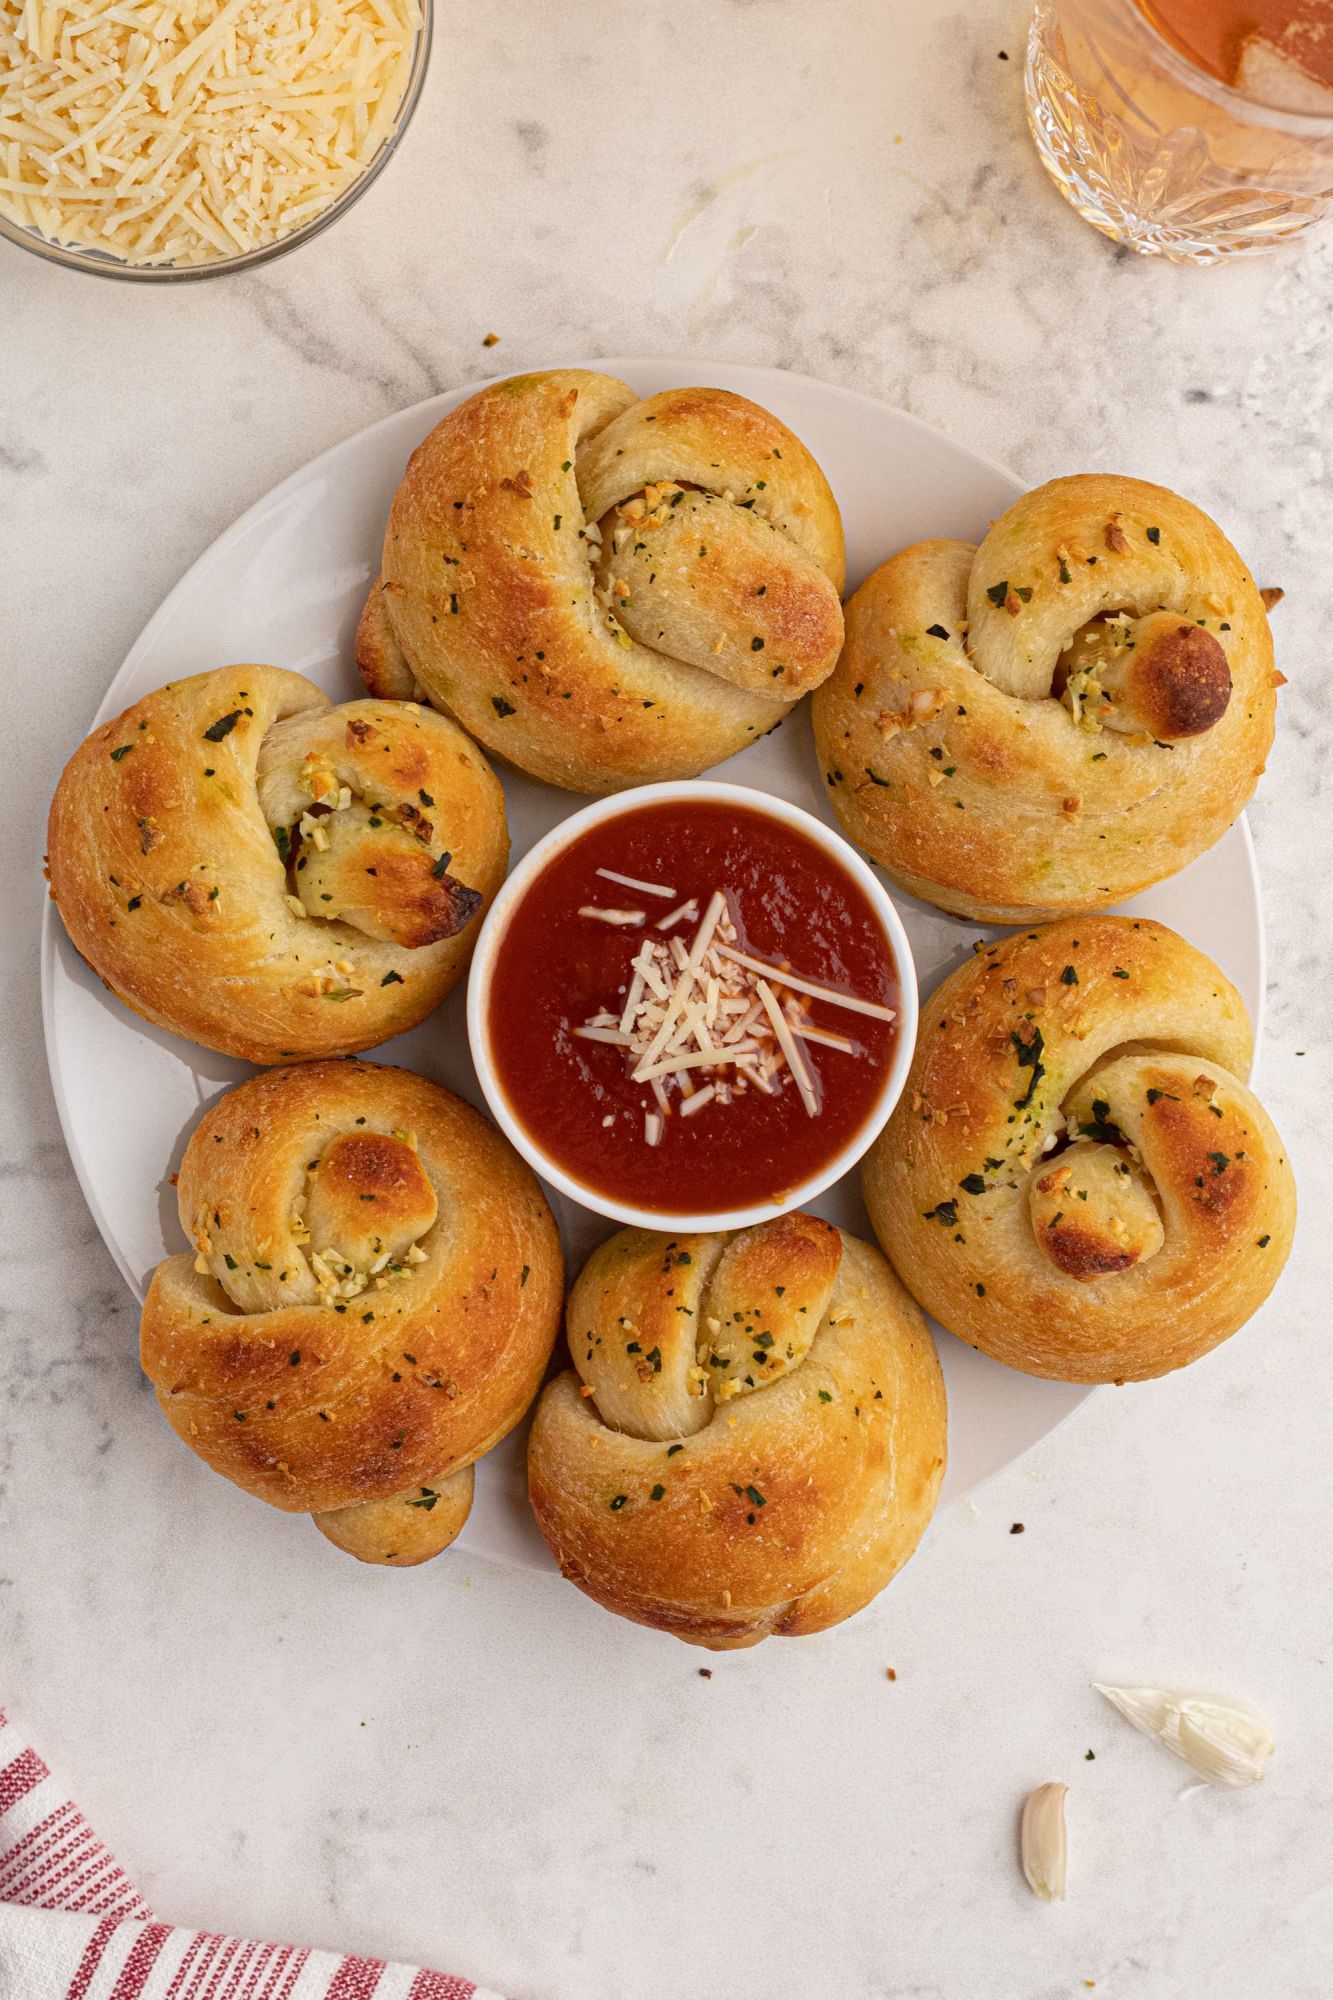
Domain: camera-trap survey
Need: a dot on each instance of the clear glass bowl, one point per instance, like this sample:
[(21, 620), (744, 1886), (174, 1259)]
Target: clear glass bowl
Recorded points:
[(101, 264), (1158, 153)]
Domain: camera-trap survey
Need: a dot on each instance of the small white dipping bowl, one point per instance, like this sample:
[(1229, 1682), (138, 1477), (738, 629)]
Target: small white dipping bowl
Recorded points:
[(694, 792)]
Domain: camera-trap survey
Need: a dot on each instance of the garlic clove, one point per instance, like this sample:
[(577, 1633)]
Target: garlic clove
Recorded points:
[(1042, 1843), (1228, 1742)]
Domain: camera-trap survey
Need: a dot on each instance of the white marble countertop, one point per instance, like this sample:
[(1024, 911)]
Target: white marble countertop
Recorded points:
[(478, 1767)]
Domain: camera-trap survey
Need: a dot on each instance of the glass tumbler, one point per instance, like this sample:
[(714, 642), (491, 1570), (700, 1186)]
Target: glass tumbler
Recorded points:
[(1158, 153)]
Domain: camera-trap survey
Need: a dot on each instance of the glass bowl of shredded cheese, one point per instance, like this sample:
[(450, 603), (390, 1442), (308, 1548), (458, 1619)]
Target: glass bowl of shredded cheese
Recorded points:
[(157, 139)]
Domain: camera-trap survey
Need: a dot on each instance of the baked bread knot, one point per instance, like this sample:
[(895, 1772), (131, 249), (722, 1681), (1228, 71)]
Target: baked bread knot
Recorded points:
[(603, 589), (1050, 722), (373, 1293), (754, 1437), (1076, 1180), (261, 871)]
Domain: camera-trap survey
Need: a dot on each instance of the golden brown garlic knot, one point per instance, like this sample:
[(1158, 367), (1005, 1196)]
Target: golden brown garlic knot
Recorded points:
[(1055, 719), (758, 1438), (607, 590), (374, 1291), (270, 875), (1077, 1180)]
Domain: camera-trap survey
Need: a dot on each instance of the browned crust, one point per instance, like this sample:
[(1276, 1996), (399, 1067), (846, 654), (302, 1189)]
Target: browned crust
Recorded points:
[(486, 589), (314, 1409), (380, 660), (793, 1505), (424, 905), (365, 1167), (1137, 1033), (169, 884), (995, 805), (1080, 1253), (1182, 683)]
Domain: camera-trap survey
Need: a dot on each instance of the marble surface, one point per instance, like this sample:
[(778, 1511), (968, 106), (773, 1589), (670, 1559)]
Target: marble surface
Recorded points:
[(478, 1767)]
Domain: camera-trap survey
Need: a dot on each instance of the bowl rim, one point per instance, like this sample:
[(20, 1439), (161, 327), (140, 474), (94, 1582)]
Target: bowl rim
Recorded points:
[(101, 264), (520, 880)]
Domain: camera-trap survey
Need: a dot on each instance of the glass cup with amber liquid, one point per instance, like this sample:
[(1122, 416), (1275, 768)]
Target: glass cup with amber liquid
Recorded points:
[(1189, 129)]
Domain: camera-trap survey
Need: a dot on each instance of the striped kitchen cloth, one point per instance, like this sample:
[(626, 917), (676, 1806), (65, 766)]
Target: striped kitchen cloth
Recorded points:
[(74, 1927)]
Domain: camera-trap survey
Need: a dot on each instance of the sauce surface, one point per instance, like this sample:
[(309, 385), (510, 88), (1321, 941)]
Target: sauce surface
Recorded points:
[(790, 903), (1214, 33)]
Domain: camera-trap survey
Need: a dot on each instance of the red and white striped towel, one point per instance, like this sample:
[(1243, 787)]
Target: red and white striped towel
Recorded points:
[(74, 1927)]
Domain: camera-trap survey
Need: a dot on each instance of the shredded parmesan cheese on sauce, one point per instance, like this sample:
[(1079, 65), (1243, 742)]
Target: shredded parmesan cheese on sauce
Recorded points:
[(703, 1023), (182, 131)]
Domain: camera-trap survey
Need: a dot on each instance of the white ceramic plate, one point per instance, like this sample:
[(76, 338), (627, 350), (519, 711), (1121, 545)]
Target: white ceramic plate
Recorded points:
[(285, 584)]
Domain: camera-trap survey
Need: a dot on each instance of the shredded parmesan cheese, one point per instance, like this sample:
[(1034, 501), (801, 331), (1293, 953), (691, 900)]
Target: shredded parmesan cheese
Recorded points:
[(789, 1048), (182, 131), (712, 1012), (631, 882), (780, 976)]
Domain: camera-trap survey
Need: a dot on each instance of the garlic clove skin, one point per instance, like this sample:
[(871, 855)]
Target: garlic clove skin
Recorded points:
[(1228, 1742), (1043, 1845)]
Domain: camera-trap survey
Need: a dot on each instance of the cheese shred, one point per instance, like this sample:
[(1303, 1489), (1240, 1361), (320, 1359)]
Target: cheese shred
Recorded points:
[(714, 1010), (177, 132)]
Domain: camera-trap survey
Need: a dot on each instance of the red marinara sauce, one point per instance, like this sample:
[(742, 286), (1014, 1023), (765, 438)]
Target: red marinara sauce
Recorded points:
[(556, 970)]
